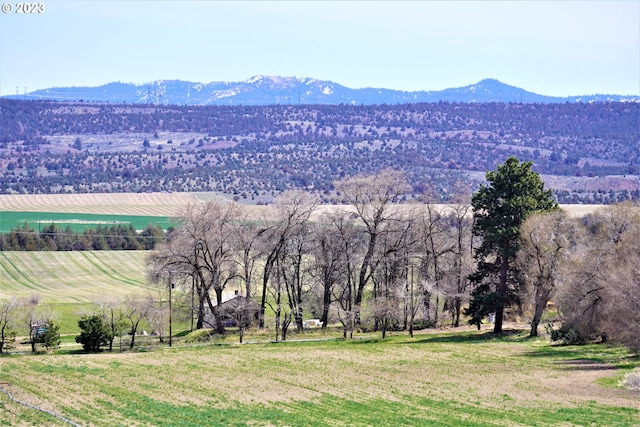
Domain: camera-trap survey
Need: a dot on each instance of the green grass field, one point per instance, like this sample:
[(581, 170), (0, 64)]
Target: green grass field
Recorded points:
[(436, 379), (77, 221), (71, 277)]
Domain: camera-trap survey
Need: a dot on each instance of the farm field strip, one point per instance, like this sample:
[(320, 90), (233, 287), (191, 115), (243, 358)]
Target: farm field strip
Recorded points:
[(71, 276), (146, 204), (151, 204), (77, 221)]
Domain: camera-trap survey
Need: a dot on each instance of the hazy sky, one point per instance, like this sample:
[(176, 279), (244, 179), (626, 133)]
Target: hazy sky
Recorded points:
[(549, 47)]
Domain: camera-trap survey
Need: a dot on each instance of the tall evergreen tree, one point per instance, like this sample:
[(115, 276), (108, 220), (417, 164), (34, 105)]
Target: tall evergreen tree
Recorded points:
[(513, 192)]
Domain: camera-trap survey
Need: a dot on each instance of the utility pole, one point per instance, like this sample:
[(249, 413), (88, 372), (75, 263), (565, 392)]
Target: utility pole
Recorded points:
[(170, 311), (411, 302)]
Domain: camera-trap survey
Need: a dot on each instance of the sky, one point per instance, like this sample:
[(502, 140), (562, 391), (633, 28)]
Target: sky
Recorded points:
[(554, 48)]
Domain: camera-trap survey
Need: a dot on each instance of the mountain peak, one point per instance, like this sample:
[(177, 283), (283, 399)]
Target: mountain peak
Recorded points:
[(491, 83)]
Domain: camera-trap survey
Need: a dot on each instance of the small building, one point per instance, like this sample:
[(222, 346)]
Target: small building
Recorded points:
[(235, 309)]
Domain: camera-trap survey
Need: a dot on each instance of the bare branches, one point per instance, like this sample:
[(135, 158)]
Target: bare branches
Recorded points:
[(544, 246), (600, 294)]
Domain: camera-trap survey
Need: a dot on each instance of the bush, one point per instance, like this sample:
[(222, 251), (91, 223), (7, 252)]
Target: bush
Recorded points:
[(568, 336), (94, 332), (200, 335), (51, 337), (632, 380)]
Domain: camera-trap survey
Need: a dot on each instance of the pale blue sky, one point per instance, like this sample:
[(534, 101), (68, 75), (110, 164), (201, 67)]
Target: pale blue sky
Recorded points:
[(555, 48)]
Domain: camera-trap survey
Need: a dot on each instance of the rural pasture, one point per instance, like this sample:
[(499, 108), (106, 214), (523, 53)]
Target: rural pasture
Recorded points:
[(448, 377), (78, 222), (463, 378), (71, 277)]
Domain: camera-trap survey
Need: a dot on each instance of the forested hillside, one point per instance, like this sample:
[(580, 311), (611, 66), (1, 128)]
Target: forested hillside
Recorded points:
[(588, 153)]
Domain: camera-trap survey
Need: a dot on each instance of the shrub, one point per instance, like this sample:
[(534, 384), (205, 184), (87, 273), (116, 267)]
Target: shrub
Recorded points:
[(632, 380), (94, 332), (567, 336), (51, 337), (200, 335)]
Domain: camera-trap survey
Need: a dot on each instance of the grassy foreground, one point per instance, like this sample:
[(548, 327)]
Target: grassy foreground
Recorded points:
[(444, 379)]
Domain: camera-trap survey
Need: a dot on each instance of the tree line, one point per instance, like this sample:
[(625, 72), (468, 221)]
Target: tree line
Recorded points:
[(509, 254), (384, 265), (101, 238)]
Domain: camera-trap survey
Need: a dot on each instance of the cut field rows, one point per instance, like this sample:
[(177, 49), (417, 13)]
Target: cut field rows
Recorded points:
[(430, 380), (71, 276)]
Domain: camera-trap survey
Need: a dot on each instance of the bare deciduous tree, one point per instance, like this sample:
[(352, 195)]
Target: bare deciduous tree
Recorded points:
[(246, 243), (346, 236), (435, 244), (8, 319), (372, 198), (386, 311), (135, 309), (293, 210), (111, 310), (460, 216), (600, 295), (544, 247), (391, 261), (203, 248), (330, 261), (294, 269), (243, 314)]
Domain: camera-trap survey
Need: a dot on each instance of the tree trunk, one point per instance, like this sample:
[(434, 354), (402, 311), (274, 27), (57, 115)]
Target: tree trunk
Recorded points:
[(457, 306), (247, 276), (200, 320), (542, 297), (269, 263), (113, 333), (134, 330), (362, 277), (298, 319), (501, 292), (384, 328), (325, 308), (426, 300), (285, 325), (215, 310), (278, 323)]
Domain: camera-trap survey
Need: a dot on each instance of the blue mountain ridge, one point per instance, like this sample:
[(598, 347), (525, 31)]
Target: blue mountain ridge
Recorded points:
[(269, 90)]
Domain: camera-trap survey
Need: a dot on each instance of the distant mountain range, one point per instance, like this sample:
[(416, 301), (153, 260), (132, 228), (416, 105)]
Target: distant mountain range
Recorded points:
[(269, 90)]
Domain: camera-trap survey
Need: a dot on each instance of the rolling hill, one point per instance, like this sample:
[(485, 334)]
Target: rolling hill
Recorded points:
[(272, 90)]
